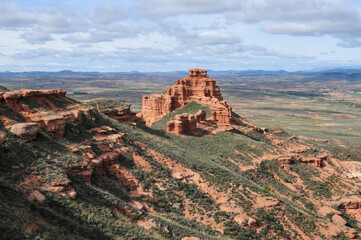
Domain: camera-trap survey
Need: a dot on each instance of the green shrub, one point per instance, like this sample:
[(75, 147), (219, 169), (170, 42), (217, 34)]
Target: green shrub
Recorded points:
[(266, 188)]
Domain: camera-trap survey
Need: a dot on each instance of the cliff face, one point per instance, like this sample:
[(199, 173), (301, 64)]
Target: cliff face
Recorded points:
[(39, 107), (196, 87), (12, 98)]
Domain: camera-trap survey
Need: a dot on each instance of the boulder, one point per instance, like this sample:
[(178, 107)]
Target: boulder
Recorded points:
[(252, 223), (28, 131), (338, 220), (3, 136), (36, 196)]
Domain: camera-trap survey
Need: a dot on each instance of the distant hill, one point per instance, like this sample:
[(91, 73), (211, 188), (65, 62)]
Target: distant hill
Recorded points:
[(242, 72)]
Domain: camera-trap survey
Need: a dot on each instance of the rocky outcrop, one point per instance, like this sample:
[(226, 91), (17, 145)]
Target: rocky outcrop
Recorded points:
[(200, 116), (28, 131), (85, 170), (251, 223), (338, 220), (185, 122), (48, 116), (182, 123), (56, 123), (122, 114), (317, 162), (3, 136), (285, 160), (76, 115), (11, 98), (63, 187), (105, 162), (196, 87), (351, 206), (36, 196)]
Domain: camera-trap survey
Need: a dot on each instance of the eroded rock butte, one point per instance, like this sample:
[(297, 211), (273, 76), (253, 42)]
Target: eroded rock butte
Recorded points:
[(196, 87)]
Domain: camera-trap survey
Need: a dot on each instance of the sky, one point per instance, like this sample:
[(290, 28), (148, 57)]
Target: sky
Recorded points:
[(174, 35)]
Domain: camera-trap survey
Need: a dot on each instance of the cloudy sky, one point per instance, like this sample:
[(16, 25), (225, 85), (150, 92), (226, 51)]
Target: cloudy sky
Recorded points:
[(168, 35)]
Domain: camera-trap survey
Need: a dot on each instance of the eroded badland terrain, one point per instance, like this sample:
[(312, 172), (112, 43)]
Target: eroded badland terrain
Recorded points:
[(270, 163)]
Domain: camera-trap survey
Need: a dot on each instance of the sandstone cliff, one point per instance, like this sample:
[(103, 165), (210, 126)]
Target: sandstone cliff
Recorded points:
[(40, 107), (196, 87)]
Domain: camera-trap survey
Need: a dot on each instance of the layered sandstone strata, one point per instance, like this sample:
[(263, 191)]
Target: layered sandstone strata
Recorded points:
[(12, 98), (182, 123), (200, 116), (122, 114), (56, 123), (185, 122), (196, 87), (45, 114)]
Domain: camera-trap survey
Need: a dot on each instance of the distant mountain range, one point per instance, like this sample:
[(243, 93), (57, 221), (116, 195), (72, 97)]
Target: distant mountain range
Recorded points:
[(339, 71)]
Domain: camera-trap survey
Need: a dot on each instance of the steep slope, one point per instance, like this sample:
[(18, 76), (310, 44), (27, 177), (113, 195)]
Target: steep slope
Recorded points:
[(3, 89), (104, 179)]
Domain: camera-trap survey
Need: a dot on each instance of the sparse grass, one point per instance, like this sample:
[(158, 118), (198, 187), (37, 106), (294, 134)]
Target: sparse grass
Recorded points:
[(15, 117), (102, 104)]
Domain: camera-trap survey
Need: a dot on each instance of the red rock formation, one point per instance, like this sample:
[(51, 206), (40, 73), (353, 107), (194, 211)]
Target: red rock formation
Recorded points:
[(285, 160), (318, 162), (122, 114), (29, 131), (3, 136), (351, 206), (54, 123), (196, 87), (182, 123), (63, 187), (12, 98), (200, 116), (85, 170), (36, 196), (105, 162)]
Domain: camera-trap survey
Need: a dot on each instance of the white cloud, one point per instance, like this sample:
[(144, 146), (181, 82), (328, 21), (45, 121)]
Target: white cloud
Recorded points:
[(11, 16), (179, 32), (36, 37), (107, 13), (336, 18), (350, 43), (105, 34), (166, 8)]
